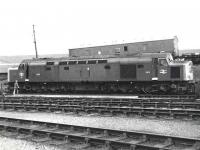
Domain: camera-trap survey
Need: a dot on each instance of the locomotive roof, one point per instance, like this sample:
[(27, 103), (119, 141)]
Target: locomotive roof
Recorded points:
[(143, 56)]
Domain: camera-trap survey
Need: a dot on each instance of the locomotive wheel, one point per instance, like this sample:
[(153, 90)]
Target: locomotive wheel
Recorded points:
[(147, 90), (164, 88)]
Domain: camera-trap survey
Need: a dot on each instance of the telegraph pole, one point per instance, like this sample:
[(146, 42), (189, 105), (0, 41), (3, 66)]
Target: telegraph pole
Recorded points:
[(36, 53)]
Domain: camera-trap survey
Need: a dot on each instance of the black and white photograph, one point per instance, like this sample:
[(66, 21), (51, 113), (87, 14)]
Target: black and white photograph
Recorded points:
[(100, 75)]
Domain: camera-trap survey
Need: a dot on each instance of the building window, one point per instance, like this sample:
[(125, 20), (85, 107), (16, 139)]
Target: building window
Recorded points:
[(144, 47), (125, 48), (117, 51)]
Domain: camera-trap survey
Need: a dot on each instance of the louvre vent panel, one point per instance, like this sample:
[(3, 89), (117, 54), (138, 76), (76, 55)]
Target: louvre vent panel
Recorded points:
[(128, 71), (175, 72)]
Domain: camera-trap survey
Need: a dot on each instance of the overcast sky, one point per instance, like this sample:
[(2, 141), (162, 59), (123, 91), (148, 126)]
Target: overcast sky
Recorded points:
[(64, 24)]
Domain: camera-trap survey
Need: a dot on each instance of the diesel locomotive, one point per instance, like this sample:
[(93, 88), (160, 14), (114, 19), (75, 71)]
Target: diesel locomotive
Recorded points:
[(142, 73), (142, 67)]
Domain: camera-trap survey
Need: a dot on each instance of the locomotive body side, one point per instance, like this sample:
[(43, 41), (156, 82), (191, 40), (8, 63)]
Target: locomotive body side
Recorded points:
[(147, 73)]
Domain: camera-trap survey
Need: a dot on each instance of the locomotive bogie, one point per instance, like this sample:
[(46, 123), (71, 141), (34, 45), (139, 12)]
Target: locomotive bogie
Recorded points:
[(107, 87)]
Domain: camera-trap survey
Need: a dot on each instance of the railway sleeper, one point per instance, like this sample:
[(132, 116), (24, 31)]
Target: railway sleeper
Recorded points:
[(111, 139), (115, 110), (195, 116)]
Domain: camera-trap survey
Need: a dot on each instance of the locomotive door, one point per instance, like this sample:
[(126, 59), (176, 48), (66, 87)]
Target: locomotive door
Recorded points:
[(85, 73), (163, 69), (26, 72), (155, 69)]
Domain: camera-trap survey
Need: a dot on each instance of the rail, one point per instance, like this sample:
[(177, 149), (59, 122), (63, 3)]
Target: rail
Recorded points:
[(128, 111), (90, 137)]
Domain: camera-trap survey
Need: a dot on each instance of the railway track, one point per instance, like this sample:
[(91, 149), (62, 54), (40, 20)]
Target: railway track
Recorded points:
[(107, 109), (173, 98), (167, 96), (175, 107), (145, 103), (84, 137)]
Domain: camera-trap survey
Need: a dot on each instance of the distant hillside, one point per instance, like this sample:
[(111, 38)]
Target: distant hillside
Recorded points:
[(18, 59), (13, 61)]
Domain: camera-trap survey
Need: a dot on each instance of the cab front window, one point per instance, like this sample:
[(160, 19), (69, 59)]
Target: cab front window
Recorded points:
[(21, 67)]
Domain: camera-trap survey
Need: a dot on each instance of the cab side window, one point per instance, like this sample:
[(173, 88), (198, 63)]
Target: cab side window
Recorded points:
[(23, 66), (163, 62)]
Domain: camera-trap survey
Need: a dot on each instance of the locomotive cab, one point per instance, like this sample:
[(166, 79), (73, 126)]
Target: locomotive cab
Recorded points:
[(161, 67), (169, 74), (167, 69)]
